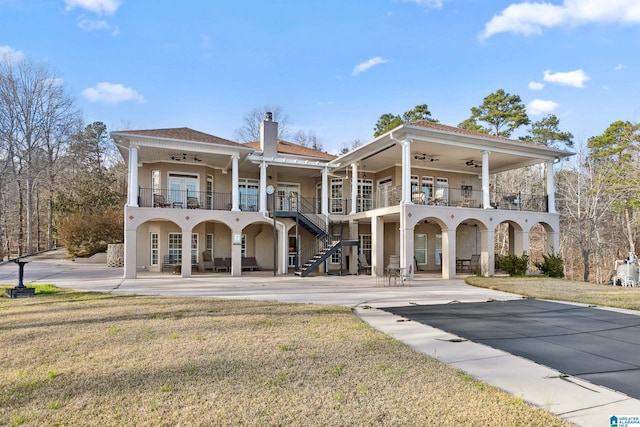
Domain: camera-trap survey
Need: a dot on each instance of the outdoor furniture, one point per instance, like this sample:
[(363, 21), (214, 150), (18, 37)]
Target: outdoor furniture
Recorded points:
[(250, 263), (393, 269), (171, 262), (463, 264), (159, 201), (207, 262), (474, 264), (219, 264), (363, 264), (193, 203)]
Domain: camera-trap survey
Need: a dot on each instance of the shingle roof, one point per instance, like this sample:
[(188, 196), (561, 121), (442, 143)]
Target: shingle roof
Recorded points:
[(286, 147), (184, 134)]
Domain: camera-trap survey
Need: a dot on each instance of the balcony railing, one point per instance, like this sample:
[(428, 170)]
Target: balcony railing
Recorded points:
[(187, 199), (386, 197)]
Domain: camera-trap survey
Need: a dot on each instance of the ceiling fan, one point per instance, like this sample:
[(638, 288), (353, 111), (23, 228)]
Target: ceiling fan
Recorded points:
[(425, 157)]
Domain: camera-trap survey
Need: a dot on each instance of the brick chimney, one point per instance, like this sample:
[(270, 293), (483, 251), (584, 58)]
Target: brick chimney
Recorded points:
[(269, 136)]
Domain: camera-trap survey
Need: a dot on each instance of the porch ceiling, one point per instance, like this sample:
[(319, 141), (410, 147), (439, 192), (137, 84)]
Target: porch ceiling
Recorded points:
[(447, 149), (438, 156)]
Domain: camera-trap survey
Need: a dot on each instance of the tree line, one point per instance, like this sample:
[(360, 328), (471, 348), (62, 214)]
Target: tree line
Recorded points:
[(60, 183)]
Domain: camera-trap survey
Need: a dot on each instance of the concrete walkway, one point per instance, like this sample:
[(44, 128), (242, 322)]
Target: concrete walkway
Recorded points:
[(572, 399)]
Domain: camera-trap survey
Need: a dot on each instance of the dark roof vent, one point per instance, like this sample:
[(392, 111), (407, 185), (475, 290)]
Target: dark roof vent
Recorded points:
[(269, 116)]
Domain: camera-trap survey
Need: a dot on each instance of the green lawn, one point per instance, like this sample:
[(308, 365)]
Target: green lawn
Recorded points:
[(74, 358)]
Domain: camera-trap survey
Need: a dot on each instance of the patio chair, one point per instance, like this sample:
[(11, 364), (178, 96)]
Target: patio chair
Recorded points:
[(207, 262), (405, 275), (250, 263), (474, 264), (219, 264), (393, 269), (159, 201), (193, 203), (363, 264)]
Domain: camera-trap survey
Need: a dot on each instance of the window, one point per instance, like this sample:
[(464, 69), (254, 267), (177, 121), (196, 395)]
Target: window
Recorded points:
[(336, 206), (365, 246), (442, 190), (336, 257), (155, 182), (175, 247), (209, 244), (287, 196), (385, 193), (243, 247), (365, 195), (248, 189), (194, 247), (209, 203), (154, 249), (420, 248), (182, 186), (427, 186), (438, 251)]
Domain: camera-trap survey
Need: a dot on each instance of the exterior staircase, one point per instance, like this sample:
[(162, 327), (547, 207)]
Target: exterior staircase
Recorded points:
[(325, 244)]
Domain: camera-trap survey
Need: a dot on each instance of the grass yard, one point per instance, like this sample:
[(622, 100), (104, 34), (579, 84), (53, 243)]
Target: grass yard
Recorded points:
[(75, 358), (563, 290)]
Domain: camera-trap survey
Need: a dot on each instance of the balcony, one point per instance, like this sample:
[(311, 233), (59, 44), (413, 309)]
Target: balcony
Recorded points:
[(188, 199), (386, 197), (442, 197)]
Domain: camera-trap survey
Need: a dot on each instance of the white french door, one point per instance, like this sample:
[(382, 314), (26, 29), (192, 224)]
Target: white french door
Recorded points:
[(181, 185)]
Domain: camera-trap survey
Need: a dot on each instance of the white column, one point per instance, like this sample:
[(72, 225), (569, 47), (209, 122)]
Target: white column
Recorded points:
[(324, 203), (130, 258), (487, 251), (551, 189), (263, 187), (377, 246), (133, 176), (354, 187), (235, 191), (449, 254), (520, 242), (406, 171), (486, 195), (186, 253)]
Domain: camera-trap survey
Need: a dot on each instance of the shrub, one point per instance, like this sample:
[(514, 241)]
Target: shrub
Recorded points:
[(513, 264), (552, 266)]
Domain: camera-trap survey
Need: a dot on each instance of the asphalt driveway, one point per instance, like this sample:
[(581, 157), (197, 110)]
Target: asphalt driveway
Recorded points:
[(600, 346)]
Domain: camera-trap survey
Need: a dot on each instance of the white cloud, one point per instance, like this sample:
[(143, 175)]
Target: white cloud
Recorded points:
[(364, 66), (111, 93), (101, 7), (574, 78), (536, 85), (619, 67), (540, 106), (532, 18), (11, 56), (432, 4), (92, 24)]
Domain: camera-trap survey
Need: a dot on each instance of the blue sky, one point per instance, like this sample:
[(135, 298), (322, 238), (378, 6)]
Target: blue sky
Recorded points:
[(333, 66)]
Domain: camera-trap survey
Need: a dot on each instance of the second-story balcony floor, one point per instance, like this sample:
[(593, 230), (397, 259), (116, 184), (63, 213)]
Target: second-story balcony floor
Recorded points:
[(442, 198)]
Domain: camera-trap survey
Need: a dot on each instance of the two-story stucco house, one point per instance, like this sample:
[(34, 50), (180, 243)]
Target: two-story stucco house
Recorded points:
[(418, 196)]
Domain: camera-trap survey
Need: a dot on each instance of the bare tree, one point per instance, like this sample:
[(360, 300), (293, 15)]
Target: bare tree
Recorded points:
[(250, 129), (307, 139), (37, 117), (584, 202)]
